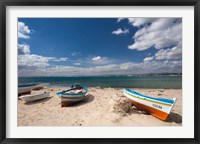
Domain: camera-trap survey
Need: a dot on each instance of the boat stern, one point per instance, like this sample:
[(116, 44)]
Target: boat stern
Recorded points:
[(165, 116)]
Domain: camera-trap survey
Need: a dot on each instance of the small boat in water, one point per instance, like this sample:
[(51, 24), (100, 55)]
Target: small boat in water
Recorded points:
[(25, 89), (34, 97), (75, 94), (158, 107)]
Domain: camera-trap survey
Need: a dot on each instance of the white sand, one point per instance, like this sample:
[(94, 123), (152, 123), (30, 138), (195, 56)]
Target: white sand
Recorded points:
[(95, 110)]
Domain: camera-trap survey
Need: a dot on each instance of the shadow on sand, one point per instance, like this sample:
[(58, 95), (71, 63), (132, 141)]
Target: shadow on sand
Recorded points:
[(88, 98), (39, 101), (173, 117)]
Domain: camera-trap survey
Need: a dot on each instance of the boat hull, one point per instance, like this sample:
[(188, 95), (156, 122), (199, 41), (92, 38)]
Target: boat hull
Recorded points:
[(34, 97), (70, 101), (155, 107), (157, 113), (68, 98), (24, 90)]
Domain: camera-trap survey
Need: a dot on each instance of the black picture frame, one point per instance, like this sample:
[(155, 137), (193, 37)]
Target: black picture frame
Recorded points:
[(5, 3)]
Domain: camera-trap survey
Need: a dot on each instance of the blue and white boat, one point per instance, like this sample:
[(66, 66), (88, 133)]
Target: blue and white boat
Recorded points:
[(158, 107), (74, 94)]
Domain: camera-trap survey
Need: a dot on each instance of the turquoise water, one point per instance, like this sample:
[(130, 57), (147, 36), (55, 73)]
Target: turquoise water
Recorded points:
[(167, 82)]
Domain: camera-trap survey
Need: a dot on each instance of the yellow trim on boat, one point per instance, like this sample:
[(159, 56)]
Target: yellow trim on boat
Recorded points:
[(148, 100)]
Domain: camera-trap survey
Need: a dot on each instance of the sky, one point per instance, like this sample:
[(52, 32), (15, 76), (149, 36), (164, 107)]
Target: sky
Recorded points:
[(99, 46)]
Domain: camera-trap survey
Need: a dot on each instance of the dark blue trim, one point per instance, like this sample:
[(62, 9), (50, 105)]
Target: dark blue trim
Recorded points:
[(65, 92), (159, 99)]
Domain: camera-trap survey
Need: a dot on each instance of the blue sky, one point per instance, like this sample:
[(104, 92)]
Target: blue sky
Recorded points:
[(98, 46)]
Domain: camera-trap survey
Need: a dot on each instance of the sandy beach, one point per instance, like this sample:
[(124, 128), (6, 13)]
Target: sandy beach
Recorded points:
[(96, 109)]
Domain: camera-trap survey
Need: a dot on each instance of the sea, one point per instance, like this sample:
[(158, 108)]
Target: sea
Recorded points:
[(154, 82)]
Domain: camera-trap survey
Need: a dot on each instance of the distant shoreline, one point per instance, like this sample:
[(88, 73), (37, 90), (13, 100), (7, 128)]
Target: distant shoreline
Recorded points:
[(155, 74)]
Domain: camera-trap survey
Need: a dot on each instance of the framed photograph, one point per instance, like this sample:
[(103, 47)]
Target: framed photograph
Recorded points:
[(99, 71)]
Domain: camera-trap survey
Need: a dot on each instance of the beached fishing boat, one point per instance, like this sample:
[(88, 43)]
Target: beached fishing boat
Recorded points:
[(34, 97), (25, 89), (75, 94), (158, 107), (40, 86)]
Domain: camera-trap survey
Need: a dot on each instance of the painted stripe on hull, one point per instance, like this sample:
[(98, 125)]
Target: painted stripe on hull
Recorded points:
[(162, 100), (163, 108), (157, 113), (146, 99), (150, 100), (73, 97)]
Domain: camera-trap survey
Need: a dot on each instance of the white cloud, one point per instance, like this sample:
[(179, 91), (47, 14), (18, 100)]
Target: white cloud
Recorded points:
[(120, 31), (26, 59), (59, 59), (140, 21), (171, 53), (77, 64), (23, 28), (157, 32), (124, 68), (98, 58), (147, 59), (99, 61), (137, 22), (120, 19), (21, 35), (30, 60), (37, 60), (23, 31), (23, 49)]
